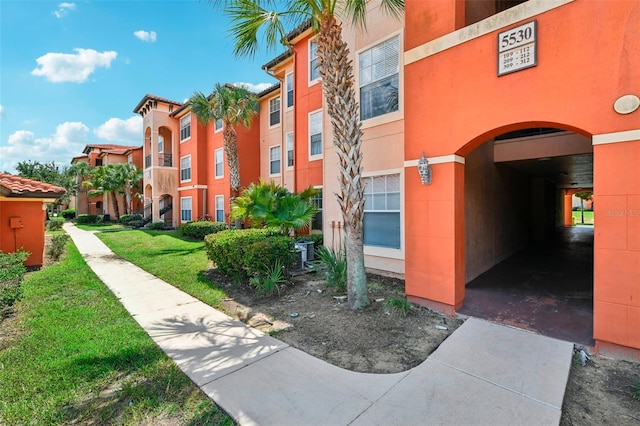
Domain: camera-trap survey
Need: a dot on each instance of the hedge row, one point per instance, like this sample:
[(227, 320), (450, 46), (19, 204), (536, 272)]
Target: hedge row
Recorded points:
[(201, 229)]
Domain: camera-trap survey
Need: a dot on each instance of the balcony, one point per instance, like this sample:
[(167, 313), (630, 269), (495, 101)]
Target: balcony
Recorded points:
[(164, 160)]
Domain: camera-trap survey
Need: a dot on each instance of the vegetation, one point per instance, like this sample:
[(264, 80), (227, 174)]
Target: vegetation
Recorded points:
[(335, 66), (232, 105), (584, 196), (156, 225), (586, 216), (79, 358), (12, 271), (334, 263), (54, 224), (87, 218), (68, 213), (269, 280), (201, 229), (126, 218), (272, 205), (399, 306), (56, 248)]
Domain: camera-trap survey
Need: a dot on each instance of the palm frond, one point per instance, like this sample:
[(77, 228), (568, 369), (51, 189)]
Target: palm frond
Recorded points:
[(201, 107)]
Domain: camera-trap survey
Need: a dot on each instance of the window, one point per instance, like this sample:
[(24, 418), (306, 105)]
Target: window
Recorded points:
[(217, 125), (290, 149), (315, 133), (289, 87), (382, 211), (185, 168), (185, 209), (274, 160), (160, 143), (314, 72), (379, 79), (185, 128), (220, 208), (274, 111), (316, 200), (130, 158), (219, 166)]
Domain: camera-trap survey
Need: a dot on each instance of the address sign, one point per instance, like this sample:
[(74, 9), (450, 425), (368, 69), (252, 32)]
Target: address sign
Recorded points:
[(517, 48)]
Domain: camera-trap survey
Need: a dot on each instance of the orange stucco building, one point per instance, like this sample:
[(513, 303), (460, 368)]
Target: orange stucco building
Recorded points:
[(23, 213), (516, 105)]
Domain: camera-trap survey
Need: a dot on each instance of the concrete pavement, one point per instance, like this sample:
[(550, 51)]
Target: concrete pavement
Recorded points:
[(482, 374)]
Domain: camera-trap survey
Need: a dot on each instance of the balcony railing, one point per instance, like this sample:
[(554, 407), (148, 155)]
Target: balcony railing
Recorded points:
[(164, 160)]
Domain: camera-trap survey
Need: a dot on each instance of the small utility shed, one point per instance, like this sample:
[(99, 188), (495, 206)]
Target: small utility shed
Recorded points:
[(23, 205)]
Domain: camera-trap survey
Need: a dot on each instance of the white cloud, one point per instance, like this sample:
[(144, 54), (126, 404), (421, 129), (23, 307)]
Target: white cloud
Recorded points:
[(1, 111), (72, 67), (118, 130), (68, 141), (255, 88), (63, 9), (148, 36)]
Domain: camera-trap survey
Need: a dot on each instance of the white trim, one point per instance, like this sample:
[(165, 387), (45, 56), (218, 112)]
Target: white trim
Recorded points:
[(387, 252), (453, 158), (315, 157), (190, 198), (286, 92), (215, 207), (188, 116), (317, 80), (495, 22), (279, 123), (616, 137), (190, 169), (215, 151), (277, 148), (293, 144), (214, 126), (187, 188)]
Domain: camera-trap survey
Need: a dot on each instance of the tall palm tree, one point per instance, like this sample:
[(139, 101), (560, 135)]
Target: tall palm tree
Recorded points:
[(233, 105), (107, 180), (251, 18), (129, 176)]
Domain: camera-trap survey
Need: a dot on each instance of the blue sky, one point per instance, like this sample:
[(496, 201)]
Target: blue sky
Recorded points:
[(72, 72)]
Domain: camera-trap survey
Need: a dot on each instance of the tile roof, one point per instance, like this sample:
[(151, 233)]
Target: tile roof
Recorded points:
[(109, 147), (16, 186), (149, 96)]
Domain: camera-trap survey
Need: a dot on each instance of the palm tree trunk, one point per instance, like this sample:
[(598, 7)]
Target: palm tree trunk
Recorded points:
[(336, 71), (116, 210), (231, 149)]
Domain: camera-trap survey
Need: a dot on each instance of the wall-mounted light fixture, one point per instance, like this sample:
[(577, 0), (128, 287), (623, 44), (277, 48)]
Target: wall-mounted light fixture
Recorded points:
[(425, 170)]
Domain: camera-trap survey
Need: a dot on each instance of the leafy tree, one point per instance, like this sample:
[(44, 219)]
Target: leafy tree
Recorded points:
[(107, 180), (272, 205), (48, 173), (130, 175), (253, 17), (233, 105), (584, 196)]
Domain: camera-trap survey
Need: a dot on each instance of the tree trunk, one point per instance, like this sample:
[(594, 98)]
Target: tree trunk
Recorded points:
[(116, 210), (231, 149), (582, 210), (336, 71)]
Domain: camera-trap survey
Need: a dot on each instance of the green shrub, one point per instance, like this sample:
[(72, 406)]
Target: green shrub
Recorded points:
[(261, 255), (156, 226), (399, 306), (68, 213), (126, 219), (269, 280), (56, 248), (87, 218), (135, 224), (335, 266), (12, 271), (228, 248), (199, 230), (55, 224)]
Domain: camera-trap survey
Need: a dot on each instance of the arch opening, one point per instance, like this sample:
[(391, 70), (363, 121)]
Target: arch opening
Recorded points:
[(526, 265)]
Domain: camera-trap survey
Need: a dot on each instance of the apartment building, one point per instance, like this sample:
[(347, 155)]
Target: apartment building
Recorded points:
[(507, 107)]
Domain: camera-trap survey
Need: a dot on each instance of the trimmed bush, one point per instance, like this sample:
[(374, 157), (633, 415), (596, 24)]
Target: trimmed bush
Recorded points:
[(56, 248), (55, 224), (262, 255), (126, 219), (135, 224), (12, 270), (87, 218), (199, 230), (227, 249), (68, 213), (156, 226)]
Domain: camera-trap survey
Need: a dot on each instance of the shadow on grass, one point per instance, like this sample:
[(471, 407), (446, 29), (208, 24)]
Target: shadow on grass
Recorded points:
[(126, 360)]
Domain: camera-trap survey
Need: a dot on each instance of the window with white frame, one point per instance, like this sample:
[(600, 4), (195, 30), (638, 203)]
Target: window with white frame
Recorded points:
[(274, 111), (382, 211), (315, 133), (185, 168), (314, 72), (289, 87), (219, 165), (316, 200), (290, 149), (379, 81), (130, 158), (274, 160), (217, 125), (185, 128), (160, 143), (220, 208), (185, 209)]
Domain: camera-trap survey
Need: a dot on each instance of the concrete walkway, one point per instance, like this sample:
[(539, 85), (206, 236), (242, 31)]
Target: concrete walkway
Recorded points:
[(482, 374)]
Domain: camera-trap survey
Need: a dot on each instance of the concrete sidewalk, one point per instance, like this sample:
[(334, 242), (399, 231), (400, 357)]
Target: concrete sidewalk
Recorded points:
[(482, 374)]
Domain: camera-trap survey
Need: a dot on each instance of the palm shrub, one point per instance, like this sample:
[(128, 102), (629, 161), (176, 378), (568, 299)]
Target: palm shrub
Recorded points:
[(199, 230), (269, 280), (334, 262)]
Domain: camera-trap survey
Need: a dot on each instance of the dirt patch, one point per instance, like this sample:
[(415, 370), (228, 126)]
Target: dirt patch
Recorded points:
[(375, 340)]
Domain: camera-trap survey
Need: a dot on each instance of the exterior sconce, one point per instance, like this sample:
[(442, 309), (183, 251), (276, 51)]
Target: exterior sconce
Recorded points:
[(425, 170)]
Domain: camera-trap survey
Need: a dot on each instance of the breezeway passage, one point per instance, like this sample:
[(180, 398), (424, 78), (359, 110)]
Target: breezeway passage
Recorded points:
[(484, 373)]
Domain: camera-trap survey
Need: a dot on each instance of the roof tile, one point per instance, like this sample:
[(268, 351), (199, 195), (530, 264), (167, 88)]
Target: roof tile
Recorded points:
[(17, 185)]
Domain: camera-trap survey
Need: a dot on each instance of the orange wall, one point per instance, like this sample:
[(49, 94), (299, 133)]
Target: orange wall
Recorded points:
[(31, 236)]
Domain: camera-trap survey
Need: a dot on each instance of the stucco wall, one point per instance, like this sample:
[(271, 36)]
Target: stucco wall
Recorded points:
[(31, 236)]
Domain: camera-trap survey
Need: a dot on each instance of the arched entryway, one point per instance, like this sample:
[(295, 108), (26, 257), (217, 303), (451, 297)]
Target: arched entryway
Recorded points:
[(166, 210), (523, 266)]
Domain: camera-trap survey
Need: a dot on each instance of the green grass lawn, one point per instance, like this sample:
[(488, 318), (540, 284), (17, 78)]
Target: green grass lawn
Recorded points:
[(588, 217), (73, 354), (101, 227), (165, 254)]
